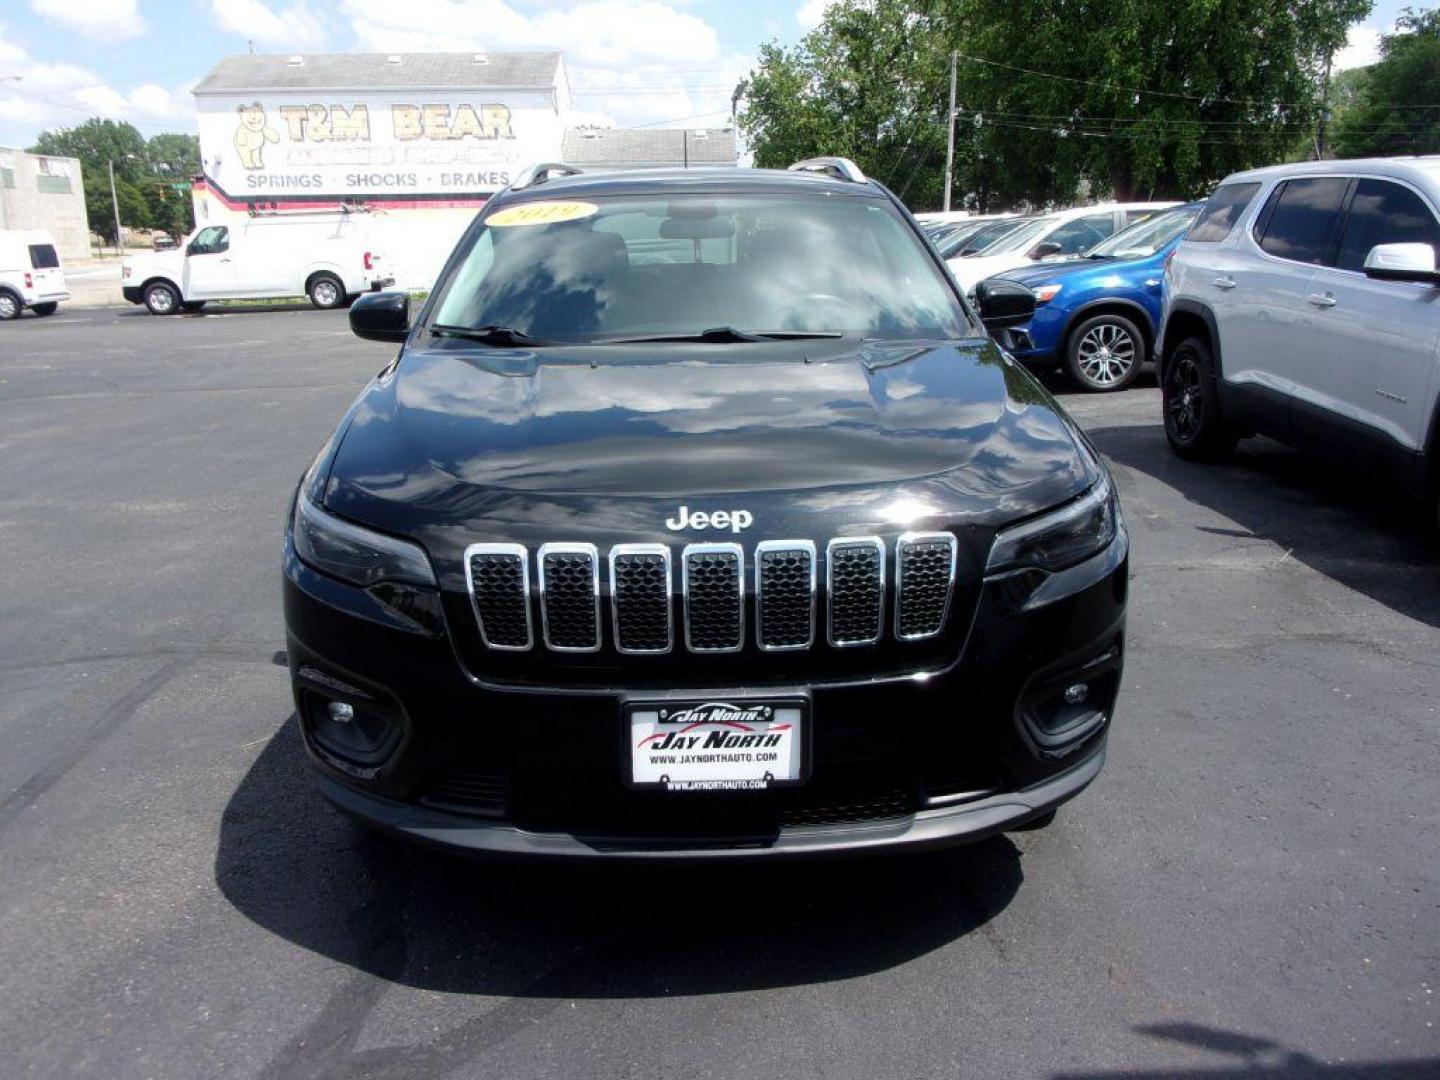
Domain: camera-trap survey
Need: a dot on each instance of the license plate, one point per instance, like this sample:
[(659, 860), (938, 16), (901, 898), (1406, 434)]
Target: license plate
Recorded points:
[(742, 745)]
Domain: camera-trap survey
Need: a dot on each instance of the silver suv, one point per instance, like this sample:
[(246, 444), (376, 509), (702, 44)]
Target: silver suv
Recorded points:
[(1304, 304)]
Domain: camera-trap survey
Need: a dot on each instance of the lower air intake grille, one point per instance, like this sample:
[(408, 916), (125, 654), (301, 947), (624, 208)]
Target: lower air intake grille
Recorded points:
[(924, 574), (499, 579), (785, 593), (714, 590), (640, 593), (570, 596), (855, 582)]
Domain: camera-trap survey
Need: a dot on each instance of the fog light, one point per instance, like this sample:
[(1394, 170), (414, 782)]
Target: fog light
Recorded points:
[(1074, 694), (342, 713)]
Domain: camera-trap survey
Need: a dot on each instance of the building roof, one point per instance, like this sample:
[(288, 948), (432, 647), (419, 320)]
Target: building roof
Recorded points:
[(372, 71), (622, 147)]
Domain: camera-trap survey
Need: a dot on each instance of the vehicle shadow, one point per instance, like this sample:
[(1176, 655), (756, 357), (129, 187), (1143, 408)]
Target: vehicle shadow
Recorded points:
[(220, 307), (294, 866), (1365, 535)]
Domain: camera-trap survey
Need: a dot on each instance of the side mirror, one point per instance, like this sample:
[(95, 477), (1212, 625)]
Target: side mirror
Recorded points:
[(1003, 303), (382, 316), (1045, 250), (1402, 262)]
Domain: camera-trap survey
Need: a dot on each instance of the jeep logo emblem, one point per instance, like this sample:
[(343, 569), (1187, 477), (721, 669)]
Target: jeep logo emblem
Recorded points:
[(734, 520)]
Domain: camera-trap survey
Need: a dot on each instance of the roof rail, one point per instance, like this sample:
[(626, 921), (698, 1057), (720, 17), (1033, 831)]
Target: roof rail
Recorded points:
[(540, 172), (838, 167)]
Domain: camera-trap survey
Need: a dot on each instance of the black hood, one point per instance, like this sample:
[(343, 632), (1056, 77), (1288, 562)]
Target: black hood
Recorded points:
[(462, 443)]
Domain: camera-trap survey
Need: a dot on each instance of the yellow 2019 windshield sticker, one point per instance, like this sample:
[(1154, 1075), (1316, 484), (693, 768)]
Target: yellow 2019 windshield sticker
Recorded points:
[(541, 213)]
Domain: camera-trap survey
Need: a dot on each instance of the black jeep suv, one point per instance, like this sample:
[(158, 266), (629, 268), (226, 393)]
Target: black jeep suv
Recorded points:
[(698, 517)]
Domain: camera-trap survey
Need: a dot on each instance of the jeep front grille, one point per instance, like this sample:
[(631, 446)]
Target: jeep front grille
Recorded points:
[(785, 594), (570, 596), (498, 576), (714, 590), (855, 584), (924, 575), (640, 597), (713, 607)]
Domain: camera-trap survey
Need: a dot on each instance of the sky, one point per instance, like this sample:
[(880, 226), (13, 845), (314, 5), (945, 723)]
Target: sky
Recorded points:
[(631, 62)]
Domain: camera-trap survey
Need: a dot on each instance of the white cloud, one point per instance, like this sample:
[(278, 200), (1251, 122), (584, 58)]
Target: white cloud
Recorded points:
[(630, 61), (294, 27), (109, 20), (812, 13), (1362, 48), (10, 53)]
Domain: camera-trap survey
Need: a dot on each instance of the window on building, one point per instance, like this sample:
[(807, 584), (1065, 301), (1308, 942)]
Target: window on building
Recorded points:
[(53, 177)]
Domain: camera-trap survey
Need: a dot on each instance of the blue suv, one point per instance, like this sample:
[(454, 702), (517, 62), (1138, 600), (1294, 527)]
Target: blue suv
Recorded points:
[(1097, 315)]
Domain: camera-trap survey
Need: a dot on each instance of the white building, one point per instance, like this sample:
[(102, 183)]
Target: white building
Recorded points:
[(42, 192), (421, 139)]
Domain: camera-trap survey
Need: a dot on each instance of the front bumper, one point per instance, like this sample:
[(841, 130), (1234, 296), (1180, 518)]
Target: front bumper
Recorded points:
[(132, 293), (926, 829), (907, 762)]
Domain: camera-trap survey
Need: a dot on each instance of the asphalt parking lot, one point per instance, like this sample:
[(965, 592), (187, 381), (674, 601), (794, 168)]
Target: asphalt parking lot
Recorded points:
[(1252, 888)]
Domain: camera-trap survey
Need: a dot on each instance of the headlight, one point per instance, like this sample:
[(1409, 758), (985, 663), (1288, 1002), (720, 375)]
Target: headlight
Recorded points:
[(1059, 539), (1045, 293), (353, 554)]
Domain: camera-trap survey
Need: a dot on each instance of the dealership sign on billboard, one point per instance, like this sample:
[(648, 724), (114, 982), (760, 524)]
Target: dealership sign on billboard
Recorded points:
[(445, 144)]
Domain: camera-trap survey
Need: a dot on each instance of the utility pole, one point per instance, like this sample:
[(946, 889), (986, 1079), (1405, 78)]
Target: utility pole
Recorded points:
[(950, 133), (115, 205), (1324, 109)]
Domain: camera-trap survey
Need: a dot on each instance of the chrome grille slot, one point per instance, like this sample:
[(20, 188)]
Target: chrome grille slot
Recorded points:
[(924, 577), (855, 589), (713, 582), (640, 598), (570, 596), (498, 577), (785, 594)]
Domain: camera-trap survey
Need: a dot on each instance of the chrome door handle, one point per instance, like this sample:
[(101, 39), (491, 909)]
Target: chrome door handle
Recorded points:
[(1224, 282), (1321, 299)]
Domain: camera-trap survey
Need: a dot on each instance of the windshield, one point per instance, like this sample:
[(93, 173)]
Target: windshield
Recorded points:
[(609, 268), (1023, 238), (1145, 237)]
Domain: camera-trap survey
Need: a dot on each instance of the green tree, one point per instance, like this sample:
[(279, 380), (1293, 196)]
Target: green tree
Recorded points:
[(1393, 107), (1122, 97), (144, 173), (868, 84)]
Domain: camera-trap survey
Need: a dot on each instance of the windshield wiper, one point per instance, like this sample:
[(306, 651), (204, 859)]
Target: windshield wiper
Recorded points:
[(490, 335), (721, 335)]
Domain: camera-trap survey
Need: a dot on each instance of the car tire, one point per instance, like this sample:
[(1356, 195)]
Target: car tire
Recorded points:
[(192, 305), (326, 291), (1104, 353), (161, 298), (1190, 403), (10, 305), (45, 309)]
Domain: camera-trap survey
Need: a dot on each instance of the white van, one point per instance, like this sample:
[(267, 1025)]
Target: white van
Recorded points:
[(323, 255), (30, 273)]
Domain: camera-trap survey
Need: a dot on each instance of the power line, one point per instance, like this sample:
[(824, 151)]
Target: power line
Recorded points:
[(1156, 93)]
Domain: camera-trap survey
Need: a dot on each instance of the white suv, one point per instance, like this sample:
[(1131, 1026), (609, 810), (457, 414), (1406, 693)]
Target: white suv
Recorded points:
[(1304, 304)]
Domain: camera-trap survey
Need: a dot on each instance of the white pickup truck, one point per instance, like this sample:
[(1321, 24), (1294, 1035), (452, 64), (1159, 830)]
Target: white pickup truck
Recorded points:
[(325, 256), (30, 273)]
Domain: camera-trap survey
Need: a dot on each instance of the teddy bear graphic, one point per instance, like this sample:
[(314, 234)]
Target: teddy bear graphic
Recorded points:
[(252, 135)]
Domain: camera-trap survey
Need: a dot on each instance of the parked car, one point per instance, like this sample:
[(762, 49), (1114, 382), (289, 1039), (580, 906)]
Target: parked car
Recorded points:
[(30, 273), (699, 559), (951, 239), (972, 243), (1304, 304), (1064, 232), (325, 256), (163, 242), (1098, 314)]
